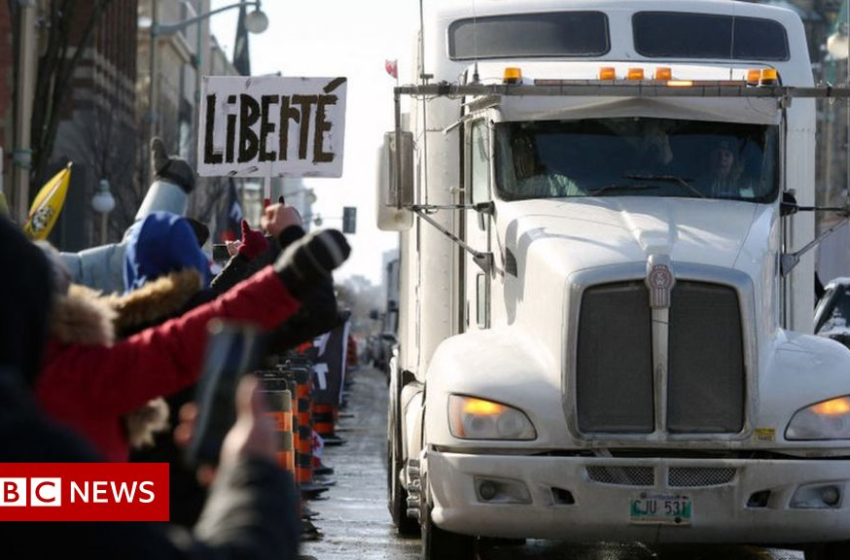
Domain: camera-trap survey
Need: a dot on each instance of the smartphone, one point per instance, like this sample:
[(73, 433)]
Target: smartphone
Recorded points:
[(233, 349), (219, 252)]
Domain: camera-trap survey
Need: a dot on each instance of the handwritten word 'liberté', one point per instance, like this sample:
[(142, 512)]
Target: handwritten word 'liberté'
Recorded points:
[(275, 114)]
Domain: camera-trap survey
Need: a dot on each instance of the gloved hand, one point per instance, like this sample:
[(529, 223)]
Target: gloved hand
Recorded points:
[(253, 242), (311, 259), (171, 169), (318, 314)]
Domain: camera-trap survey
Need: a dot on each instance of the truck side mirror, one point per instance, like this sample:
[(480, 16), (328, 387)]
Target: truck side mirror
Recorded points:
[(400, 158), (484, 209), (788, 206), (395, 182)]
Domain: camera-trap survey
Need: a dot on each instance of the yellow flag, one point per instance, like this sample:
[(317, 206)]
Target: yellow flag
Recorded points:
[(4, 207), (46, 207)]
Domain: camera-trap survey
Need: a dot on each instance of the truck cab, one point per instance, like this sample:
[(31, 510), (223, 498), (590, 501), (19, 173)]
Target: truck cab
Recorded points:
[(605, 319)]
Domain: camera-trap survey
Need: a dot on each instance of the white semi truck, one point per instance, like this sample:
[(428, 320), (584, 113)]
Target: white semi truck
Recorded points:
[(606, 295)]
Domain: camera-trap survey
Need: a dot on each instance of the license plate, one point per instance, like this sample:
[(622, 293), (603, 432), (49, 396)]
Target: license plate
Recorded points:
[(661, 509)]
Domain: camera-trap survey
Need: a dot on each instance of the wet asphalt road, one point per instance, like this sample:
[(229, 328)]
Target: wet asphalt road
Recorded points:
[(354, 523)]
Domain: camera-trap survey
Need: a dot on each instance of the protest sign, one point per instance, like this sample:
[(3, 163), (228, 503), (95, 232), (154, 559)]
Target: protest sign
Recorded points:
[(270, 126)]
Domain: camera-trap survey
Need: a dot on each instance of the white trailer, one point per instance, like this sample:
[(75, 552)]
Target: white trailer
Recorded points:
[(599, 339)]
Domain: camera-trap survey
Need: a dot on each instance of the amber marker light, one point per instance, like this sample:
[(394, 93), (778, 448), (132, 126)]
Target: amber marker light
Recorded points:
[(607, 73), (753, 76), (769, 77), (680, 83), (512, 75), (663, 73), (834, 407), (635, 74), (481, 407)]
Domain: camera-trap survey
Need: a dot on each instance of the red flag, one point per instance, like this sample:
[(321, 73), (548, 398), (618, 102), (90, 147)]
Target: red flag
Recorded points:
[(391, 67)]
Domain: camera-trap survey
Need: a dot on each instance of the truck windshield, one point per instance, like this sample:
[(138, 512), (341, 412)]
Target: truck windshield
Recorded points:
[(636, 157)]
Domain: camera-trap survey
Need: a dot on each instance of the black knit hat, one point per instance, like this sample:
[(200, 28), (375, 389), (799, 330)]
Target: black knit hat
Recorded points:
[(27, 295)]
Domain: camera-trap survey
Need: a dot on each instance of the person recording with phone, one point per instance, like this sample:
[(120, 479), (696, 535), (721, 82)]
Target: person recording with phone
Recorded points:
[(250, 512)]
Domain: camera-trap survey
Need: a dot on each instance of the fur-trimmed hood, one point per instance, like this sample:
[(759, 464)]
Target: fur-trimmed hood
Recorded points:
[(83, 316), (154, 302)]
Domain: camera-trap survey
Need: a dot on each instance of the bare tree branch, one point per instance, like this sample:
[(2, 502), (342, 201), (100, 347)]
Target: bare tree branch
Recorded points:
[(55, 79)]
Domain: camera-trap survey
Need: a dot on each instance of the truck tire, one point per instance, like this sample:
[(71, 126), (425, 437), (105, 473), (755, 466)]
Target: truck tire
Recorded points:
[(828, 551), (438, 544), (396, 494)]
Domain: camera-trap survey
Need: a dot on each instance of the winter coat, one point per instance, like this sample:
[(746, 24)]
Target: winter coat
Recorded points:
[(151, 305), (89, 384)]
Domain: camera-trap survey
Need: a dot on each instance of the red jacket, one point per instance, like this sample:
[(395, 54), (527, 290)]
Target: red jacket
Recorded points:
[(89, 387)]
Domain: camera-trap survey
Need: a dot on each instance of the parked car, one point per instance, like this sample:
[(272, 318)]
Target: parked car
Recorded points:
[(381, 349)]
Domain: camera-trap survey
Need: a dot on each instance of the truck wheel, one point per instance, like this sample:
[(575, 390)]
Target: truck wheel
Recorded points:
[(828, 551), (396, 494), (438, 544)]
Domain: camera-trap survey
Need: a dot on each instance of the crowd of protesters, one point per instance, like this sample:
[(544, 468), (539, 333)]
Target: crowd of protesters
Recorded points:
[(92, 370)]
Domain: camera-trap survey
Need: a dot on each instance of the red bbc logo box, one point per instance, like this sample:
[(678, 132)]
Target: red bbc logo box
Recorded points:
[(84, 492)]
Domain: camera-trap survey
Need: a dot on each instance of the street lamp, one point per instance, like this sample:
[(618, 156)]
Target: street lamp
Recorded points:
[(103, 202), (255, 22)]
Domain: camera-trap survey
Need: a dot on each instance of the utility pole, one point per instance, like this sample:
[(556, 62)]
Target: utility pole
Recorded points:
[(153, 88), (24, 94)]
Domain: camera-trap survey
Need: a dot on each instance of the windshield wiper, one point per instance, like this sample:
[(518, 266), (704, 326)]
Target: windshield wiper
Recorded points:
[(683, 181), (619, 187)]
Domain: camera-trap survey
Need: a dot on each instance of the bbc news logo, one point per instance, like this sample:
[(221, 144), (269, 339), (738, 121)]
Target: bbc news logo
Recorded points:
[(36, 492), (47, 492), (84, 492)]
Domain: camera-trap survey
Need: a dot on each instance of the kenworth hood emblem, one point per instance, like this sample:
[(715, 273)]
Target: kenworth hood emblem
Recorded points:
[(660, 281)]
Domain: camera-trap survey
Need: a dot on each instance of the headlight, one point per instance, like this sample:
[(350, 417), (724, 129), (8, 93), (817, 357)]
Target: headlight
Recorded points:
[(824, 420), (471, 418)]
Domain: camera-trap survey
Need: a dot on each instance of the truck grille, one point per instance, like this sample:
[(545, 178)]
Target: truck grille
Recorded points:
[(706, 381), (626, 476), (614, 370), (692, 477), (614, 360), (677, 477)]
